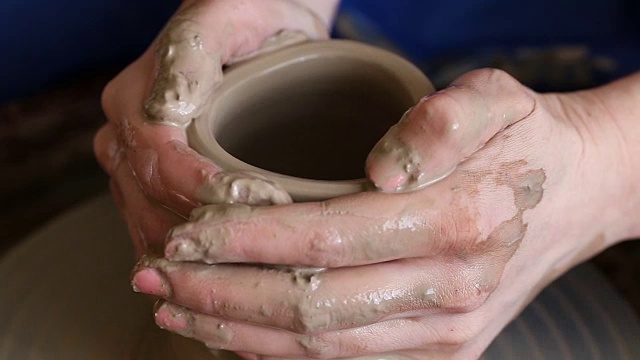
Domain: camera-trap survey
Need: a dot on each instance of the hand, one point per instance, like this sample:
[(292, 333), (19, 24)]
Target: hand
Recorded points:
[(541, 182), (156, 178)]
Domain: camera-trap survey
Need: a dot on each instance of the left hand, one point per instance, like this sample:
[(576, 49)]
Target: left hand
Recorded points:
[(540, 184)]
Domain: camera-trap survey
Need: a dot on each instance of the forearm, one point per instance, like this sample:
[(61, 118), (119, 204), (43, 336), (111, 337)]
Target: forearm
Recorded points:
[(621, 102), (622, 99)]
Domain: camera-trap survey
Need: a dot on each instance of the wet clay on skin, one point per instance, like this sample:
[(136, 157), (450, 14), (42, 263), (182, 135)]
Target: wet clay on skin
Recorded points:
[(186, 73), (242, 188), (503, 241)]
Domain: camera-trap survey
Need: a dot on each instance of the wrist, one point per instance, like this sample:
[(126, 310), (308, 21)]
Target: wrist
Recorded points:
[(615, 132)]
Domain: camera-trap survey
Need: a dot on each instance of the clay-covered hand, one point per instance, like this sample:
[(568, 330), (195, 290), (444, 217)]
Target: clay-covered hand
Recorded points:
[(536, 184), (156, 178)]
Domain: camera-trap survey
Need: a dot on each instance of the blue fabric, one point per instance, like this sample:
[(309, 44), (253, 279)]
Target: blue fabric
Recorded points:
[(45, 41), (424, 27), (536, 39)]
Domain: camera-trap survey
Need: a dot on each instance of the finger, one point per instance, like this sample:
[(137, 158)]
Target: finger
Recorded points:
[(437, 335), (164, 166), (147, 222), (107, 149), (312, 302), (445, 128), (356, 230), (202, 36), (457, 216)]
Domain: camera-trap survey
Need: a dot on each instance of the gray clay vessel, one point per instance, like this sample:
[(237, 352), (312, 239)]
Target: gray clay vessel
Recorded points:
[(306, 116)]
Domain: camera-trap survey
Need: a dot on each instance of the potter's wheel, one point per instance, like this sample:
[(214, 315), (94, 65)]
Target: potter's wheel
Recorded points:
[(66, 296)]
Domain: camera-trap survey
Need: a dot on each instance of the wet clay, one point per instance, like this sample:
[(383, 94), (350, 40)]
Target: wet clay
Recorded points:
[(503, 241), (231, 194), (220, 335), (186, 73), (311, 122), (527, 186), (242, 188), (204, 248), (400, 158), (527, 193)]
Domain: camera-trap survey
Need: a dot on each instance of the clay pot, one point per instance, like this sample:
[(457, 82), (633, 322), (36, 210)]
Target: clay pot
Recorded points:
[(306, 116)]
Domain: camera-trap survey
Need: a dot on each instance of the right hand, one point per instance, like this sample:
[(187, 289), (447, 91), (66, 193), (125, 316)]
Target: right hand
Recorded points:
[(156, 178)]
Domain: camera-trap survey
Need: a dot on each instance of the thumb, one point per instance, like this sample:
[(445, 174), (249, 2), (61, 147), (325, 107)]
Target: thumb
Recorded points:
[(445, 128), (186, 73), (204, 35)]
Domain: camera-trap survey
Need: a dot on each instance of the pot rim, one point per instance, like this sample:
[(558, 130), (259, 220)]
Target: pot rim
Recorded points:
[(200, 132)]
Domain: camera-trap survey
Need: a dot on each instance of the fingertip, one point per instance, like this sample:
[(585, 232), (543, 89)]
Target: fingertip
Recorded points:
[(383, 173), (393, 165)]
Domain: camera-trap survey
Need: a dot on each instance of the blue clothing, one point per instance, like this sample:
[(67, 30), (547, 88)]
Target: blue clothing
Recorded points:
[(427, 27), (449, 37), (46, 41)]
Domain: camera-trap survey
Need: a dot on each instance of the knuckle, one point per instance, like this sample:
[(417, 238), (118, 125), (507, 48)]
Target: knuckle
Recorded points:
[(317, 346), (324, 248), (489, 76), (309, 319), (457, 231), (492, 74), (106, 98), (455, 336), (460, 335), (107, 149), (469, 297), (442, 115)]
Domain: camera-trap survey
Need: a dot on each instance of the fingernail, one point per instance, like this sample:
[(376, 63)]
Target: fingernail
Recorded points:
[(172, 318), (151, 281)]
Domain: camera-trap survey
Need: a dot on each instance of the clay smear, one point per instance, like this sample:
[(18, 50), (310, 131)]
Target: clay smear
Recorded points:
[(232, 195), (528, 190), (218, 336), (187, 74), (395, 156), (242, 188)]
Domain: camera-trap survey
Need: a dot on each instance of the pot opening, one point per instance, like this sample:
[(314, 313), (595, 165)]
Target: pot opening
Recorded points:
[(316, 119)]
